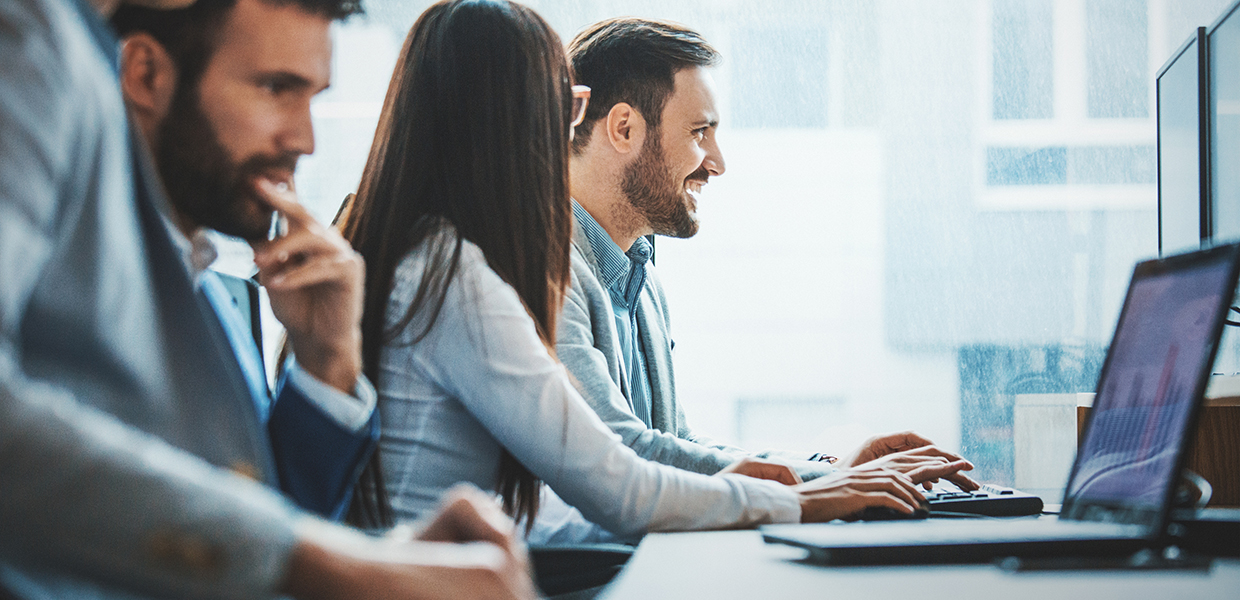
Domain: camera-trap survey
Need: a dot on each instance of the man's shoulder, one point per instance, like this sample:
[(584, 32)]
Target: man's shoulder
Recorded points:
[(654, 295), (583, 267), (58, 94), (50, 44), (585, 292), (654, 282), (37, 19)]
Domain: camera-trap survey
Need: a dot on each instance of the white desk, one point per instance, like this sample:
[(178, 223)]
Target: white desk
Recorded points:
[(737, 564)]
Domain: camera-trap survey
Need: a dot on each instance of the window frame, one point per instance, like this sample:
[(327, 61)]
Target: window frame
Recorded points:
[(1069, 126)]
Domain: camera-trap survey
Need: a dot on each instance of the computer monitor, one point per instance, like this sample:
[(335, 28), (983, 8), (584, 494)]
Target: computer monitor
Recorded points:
[(1223, 41), (1183, 182)]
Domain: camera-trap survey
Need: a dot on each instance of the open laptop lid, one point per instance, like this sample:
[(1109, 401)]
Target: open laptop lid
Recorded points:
[(1150, 390)]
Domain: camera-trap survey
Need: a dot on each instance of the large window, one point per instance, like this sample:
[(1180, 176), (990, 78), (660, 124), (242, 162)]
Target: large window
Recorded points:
[(1024, 59), (1068, 84), (930, 208)]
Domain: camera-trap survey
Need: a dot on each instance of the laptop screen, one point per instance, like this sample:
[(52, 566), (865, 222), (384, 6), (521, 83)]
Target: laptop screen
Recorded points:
[(1155, 372)]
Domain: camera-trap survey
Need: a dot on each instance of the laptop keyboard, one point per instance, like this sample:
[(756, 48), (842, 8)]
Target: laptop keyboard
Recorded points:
[(990, 500)]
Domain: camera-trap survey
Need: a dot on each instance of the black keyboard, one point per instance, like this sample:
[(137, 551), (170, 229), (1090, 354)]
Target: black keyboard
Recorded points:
[(990, 501)]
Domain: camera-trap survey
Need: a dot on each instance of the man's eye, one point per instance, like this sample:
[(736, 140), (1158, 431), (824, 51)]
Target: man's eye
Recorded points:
[(700, 132), (274, 87)]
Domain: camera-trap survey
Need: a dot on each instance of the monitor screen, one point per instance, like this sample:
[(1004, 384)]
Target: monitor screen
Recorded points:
[(1158, 360), (1179, 151), (1224, 43)]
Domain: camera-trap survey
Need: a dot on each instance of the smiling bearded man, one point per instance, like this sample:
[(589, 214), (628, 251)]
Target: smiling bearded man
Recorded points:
[(641, 156)]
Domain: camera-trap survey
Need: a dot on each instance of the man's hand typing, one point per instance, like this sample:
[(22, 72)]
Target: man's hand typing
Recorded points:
[(915, 456), (844, 494)]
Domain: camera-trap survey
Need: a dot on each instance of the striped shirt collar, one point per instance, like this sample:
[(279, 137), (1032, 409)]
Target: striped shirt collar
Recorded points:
[(614, 264)]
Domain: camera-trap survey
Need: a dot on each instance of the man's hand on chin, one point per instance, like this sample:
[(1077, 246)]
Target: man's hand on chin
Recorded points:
[(315, 281)]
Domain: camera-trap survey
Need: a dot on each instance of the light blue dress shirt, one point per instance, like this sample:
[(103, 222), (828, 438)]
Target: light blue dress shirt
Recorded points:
[(624, 275)]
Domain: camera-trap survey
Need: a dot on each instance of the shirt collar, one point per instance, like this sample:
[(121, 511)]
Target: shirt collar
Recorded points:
[(202, 252), (612, 263), (197, 251), (641, 251)]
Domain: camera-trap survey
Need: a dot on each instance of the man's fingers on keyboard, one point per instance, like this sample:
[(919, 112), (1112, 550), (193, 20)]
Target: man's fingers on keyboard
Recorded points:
[(936, 451), (921, 464), (917, 460), (903, 488), (964, 482), (865, 500), (882, 472), (889, 500), (935, 471)]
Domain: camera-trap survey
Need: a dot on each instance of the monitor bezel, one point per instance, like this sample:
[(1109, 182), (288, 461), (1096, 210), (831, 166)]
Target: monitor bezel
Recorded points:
[(1200, 41), (1207, 171)]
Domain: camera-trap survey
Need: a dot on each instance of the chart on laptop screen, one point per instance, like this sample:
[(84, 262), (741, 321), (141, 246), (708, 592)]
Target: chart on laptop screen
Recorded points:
[(1148, 391)]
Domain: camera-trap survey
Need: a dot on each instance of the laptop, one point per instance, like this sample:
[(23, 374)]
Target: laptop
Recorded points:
[(1119, 494)]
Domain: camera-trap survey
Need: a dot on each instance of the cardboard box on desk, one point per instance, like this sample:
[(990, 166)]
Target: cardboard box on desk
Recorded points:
[(1215, 454)]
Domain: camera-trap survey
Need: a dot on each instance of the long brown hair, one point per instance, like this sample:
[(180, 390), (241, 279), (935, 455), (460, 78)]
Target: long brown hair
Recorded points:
[(474, 131)]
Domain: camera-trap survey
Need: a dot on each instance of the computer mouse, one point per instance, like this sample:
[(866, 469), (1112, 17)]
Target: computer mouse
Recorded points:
[(883, 513)]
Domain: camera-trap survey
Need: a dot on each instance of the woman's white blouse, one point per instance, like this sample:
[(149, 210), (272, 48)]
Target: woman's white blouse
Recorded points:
[(481, 380)]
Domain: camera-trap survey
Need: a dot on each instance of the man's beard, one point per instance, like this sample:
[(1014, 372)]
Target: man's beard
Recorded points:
[(204, 185), (653, 191)]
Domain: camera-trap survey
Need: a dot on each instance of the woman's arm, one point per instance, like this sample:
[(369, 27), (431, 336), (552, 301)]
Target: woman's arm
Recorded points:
[(484, 351)]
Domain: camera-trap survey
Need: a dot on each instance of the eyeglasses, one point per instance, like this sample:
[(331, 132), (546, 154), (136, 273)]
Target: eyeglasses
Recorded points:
[(581, 98)]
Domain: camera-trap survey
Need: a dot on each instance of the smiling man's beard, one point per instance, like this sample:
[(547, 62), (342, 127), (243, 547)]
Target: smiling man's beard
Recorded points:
[(652, 189), (204, 185)]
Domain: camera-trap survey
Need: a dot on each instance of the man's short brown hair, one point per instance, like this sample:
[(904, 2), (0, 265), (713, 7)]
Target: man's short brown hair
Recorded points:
[(188, 34), (633, 61)]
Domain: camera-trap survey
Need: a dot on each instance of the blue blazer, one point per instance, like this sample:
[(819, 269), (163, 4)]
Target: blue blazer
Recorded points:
[(318, 461), (317, 458)]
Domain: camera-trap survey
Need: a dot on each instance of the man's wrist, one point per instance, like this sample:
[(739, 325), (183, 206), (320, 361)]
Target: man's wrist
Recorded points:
[(339, 374), (352, 410), (338, 367)]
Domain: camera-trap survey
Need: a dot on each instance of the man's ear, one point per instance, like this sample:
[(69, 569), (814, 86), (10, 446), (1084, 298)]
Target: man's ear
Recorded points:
[(148, 77), (626, 128)]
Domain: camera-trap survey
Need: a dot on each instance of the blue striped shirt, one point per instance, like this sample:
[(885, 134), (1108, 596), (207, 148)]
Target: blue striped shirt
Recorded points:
[(624, 276)]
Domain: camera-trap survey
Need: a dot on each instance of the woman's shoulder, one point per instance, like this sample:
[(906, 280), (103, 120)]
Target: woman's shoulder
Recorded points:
[(431, 263), (464, 295), (437, 248)]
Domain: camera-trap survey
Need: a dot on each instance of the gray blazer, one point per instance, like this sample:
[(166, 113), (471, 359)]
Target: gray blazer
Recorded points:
[(121, 415), (588, 345)]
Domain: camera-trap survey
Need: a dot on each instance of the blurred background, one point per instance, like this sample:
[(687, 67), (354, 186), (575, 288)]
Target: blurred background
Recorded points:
[(929, 209)]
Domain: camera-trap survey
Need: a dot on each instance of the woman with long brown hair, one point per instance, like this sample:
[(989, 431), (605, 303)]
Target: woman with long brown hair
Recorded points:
[(464, 220)]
